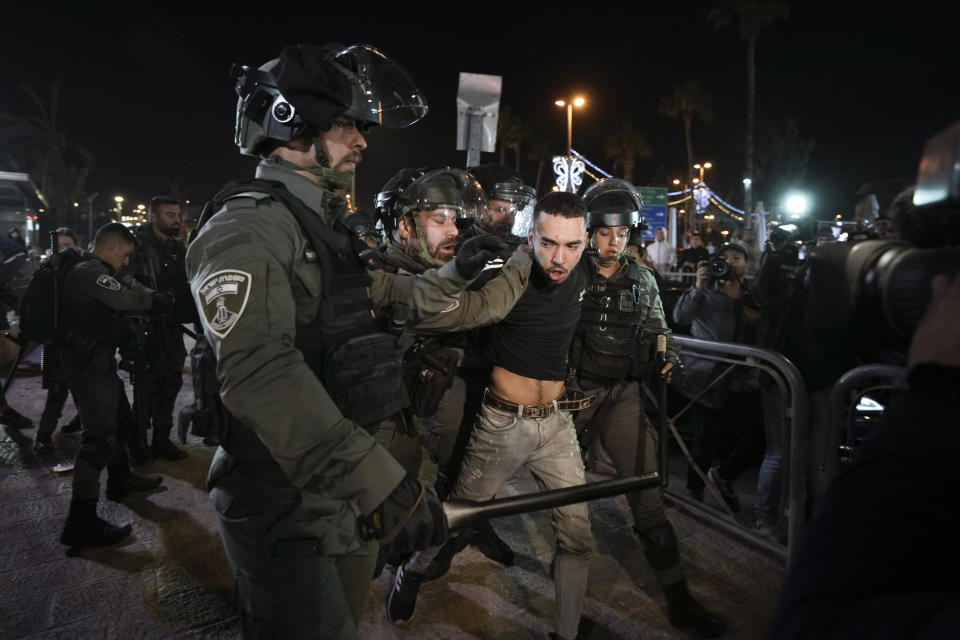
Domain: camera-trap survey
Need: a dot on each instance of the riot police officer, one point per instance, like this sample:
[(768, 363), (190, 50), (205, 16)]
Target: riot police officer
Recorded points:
[(507, 194), (92, 297), (621, 317), (159, 264), (308, 369), (422, 212)]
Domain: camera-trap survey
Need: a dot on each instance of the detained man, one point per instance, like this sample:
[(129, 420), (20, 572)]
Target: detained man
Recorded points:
[(525, 420)]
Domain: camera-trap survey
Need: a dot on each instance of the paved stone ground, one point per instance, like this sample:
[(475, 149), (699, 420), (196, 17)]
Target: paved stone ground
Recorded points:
[(170, 579)]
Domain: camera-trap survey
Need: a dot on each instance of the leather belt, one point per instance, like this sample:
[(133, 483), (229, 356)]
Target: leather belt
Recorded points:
[(561, 403)]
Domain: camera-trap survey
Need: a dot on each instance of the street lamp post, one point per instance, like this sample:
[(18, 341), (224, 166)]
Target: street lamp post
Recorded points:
[(569, 168), (570, 104)]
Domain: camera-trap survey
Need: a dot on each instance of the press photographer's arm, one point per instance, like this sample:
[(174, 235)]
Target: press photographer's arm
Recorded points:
[(881, 559)]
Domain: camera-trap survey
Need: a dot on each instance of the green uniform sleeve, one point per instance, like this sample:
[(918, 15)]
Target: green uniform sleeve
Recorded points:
[(242, 267), (426, 293), (92, 279), (486, 306)]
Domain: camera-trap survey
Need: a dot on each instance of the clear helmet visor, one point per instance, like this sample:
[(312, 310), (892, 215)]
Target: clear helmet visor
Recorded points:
[(448, 192), (523, 222), (381, 90)]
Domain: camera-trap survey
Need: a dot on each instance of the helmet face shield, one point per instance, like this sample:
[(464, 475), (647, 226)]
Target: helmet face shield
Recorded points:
[(523, 222), (450, 190), (316, 87), (381, 92), (515, 192)]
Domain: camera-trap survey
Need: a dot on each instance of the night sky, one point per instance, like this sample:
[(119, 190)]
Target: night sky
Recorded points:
[(149, 92)]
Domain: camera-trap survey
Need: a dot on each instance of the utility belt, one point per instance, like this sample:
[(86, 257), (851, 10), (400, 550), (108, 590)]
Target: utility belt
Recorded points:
[(563, 402)]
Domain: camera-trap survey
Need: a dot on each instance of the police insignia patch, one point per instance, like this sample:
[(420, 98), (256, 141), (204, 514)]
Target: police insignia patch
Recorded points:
[(222, 298), (107, 282)]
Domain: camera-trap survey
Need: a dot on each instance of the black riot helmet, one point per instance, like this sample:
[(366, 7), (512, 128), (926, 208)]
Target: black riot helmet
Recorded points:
[(453, 191), (310, 88), (613, 202)]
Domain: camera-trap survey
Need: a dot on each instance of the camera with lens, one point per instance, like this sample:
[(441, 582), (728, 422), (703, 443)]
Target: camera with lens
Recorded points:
[(719, 269), (872, 294)]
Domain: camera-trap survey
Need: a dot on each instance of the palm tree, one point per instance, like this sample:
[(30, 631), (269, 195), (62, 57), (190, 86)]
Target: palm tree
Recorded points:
[(752, 17), (512, 134), (624, 145), (35, 145), (686, 103)]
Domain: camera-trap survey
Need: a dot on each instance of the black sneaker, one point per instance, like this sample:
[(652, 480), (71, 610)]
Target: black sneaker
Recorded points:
[(42, 446), (14, 419), (725, 488), (402, 599), (486, 540)]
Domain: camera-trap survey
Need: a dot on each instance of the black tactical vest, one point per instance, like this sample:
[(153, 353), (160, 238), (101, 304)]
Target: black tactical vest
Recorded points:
[(359, 363), (607, 338)]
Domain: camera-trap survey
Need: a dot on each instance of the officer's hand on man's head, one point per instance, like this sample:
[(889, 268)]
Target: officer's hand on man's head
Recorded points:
[(410, 519), (477, 252)]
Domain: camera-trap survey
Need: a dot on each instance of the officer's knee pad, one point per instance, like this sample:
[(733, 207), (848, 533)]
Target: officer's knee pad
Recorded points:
[(660, 545)]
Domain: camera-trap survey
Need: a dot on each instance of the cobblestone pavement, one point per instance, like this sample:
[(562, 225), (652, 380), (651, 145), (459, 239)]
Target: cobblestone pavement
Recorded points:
[(170, 579)]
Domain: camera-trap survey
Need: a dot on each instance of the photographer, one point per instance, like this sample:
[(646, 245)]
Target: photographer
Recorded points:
[(719, 307), (846, 582)]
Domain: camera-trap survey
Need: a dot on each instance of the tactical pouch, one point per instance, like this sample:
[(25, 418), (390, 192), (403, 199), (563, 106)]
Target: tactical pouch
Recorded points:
[(365, 378), (209, 418), (605, 356), (434, 377)]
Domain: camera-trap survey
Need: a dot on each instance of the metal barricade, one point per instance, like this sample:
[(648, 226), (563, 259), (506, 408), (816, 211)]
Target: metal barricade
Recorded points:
[(793, 431)]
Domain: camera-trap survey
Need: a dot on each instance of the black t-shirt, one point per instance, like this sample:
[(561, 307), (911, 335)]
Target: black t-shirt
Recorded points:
[(533, 340)]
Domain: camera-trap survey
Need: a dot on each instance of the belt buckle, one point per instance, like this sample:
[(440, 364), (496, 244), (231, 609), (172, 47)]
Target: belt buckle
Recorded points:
[(535, 411)]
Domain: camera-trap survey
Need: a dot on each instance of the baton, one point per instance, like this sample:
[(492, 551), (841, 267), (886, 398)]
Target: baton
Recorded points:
[(462, 514)]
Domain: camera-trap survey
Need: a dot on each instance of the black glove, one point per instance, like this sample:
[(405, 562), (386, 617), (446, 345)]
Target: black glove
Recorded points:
[(477, 252), (410, 519)]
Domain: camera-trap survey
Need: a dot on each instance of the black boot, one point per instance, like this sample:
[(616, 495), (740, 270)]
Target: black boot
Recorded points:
[(162, 447), (486, 540), (684, 612), (85, 528)]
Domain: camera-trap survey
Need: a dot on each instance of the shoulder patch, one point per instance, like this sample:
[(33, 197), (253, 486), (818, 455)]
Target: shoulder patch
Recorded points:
[(108, 282), (222, 298)]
